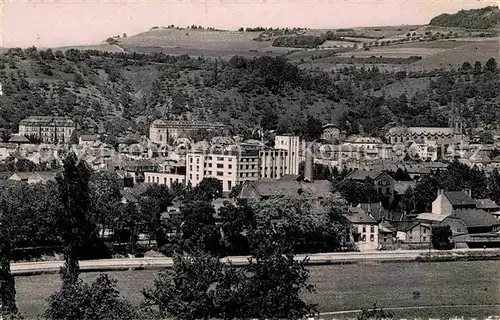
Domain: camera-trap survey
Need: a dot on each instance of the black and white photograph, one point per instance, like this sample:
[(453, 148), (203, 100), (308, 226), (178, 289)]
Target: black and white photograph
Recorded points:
[(249, 160)]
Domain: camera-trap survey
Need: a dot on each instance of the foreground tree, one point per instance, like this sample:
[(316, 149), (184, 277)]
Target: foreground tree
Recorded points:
[(78, 228), (441, 238), (98, 301)]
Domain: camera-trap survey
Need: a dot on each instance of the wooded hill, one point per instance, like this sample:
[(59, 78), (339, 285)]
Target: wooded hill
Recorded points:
[(484, 18), (125, 92)]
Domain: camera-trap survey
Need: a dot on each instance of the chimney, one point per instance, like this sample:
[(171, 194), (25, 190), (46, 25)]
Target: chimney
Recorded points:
[(309, 164), (440, 192)]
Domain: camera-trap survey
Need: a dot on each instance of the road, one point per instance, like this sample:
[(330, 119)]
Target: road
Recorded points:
[(26, 268)]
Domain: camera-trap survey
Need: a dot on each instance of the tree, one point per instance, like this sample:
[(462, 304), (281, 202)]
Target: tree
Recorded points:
[(199, 230), (236, 223), (199, 286), (78, 228), (491, 65), (357, 191), (207, 190), (105, 198), (441, 238), (99, 301)]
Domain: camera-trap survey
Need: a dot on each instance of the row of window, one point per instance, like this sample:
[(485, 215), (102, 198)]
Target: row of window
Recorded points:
[(363, 238), (372, 229)]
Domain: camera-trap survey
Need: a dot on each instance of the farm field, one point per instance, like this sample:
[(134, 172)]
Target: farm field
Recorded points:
[(437, 286)]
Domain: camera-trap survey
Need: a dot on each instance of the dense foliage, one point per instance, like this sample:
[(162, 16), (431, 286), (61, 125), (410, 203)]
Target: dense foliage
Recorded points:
[(124, 92), (484, 18)]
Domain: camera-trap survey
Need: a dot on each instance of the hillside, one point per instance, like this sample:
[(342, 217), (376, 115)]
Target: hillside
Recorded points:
[(484, 18), (124, 92)]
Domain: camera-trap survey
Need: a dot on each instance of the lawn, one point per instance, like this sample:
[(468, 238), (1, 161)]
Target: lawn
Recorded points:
[(446, 286)]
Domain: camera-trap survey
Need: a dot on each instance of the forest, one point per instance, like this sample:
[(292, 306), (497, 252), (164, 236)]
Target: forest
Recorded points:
[(124, 92)]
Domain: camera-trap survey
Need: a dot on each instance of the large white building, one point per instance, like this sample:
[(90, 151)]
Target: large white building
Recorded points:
[(162, 131), (231, 167), (291, 144), (47, 129)]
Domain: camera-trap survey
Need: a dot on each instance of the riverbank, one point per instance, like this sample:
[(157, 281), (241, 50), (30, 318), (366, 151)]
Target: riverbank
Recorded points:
[(47, 267)]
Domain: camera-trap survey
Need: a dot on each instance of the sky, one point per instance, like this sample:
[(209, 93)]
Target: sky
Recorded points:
[(52, 23)]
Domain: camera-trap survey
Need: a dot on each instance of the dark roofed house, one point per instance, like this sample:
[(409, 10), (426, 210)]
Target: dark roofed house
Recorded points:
[(447, 201), (477, 220), (376, 210), (15, 138), (382, 181), (363, 228), (265, 189), (487, 205)]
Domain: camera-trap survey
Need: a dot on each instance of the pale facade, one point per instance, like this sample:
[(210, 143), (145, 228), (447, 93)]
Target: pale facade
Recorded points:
[(228, 166), (426, 135), (291, 144), (165, 178), (273, 163), (47, 129), (162, 131), (331, 133)]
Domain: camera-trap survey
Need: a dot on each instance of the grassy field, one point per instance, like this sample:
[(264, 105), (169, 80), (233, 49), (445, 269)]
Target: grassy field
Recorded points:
[(443, 287)]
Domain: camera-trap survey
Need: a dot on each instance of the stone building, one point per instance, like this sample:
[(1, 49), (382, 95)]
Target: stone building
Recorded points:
[(162, 131), (47, 129)]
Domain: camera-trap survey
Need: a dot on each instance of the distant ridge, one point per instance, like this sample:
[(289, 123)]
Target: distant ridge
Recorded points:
[(484, 18)]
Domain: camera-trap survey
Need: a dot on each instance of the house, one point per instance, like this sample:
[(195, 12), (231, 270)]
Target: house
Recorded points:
[(489, 206), (376, 210), (265, 189), (363, 229), (7, 149), (88, 139), (387, 233), (42, 177), (476, 220), (331, 133), (417, 233), (447, 201), (382, 181), (34, 177)]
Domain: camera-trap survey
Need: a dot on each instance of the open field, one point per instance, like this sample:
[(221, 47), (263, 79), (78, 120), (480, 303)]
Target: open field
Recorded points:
[(439, 286)]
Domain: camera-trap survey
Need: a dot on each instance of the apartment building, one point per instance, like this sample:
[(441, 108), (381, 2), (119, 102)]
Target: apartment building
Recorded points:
[(291, 144), (231, 167), (47, 129), (273, 163)]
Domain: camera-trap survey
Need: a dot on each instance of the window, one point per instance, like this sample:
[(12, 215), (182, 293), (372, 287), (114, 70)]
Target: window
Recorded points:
[(220, 158), (190, 176), (363, 238), (191, 160), (425, 230), (364, 228), (164, 180), (229, 166), (220, 173), (197, 177), (385, 238), (372, 229), (372, 238), (220, 166), (424, 239), (149, 179), (210, 165), (190, 168), (229, 185)]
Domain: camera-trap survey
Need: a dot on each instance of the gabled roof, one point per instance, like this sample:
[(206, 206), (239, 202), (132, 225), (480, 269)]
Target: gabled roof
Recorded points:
[(433, 217), (280, 188), (21, 175), (376, 210), (457, 198), (386, 227), (361, 175), (128, 195), (358, 216), (487, 204), (43, 176), (89, 137), (474, 218)]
